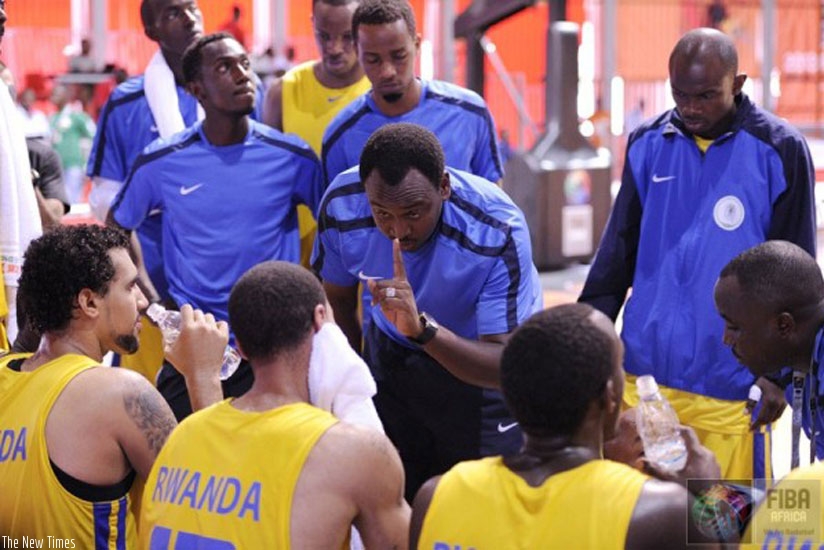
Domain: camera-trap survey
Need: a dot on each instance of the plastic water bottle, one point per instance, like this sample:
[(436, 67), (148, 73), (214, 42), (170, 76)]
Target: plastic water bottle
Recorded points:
[(658, 427), (169, 323)]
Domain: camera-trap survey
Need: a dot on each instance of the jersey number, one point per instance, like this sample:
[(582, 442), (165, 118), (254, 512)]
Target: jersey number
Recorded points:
[(186, 541)]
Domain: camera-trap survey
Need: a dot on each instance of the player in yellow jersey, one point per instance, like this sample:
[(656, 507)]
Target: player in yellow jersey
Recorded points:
[(306, 99), (268, 470), (561, 377), (75, 435)]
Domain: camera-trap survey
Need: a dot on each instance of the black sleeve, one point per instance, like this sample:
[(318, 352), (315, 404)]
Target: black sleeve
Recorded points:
[(613, 269), (793, 217), (48, 178)]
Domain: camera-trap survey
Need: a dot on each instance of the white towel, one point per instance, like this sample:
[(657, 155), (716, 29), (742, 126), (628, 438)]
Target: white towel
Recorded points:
[(161, 94), (19, 216), (340, 381)]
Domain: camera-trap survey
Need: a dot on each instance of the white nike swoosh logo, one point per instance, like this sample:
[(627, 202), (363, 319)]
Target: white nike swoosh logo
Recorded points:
[(364, 277), (186, 190), (505, 428), (658, 179)]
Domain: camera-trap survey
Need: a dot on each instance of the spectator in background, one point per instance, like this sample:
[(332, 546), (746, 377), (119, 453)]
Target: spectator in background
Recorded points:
[(72, 131), (233, 26), (83, 62), (284, 61), (505, 147), (634, 117), (35, 122), (264, 65), (716, 14), (19, 216), (47, 178)]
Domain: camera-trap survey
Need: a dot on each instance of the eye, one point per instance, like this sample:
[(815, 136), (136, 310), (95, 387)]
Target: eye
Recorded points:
[(348, 38), (245, 63), (413, 215), (382, 215), (399, 56)]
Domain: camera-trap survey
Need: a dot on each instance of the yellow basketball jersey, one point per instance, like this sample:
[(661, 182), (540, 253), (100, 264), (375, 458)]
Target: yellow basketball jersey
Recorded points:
[(307, 109), (482, 504), (225, 478), (309, 106), (791, 515), (33, 503)]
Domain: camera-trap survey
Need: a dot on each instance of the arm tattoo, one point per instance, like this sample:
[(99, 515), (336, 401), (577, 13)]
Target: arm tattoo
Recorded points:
[(147, 412)]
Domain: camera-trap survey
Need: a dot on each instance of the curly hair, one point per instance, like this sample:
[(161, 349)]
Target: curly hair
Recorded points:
[(553, 366), (61, 263), (394, 149), (272, 308), (382, 12), (192, 62)]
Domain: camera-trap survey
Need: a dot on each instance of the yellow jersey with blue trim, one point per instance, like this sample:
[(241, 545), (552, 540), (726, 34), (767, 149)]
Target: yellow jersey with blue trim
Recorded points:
[(226, 478), (483, 504), (309, 106), (36, 510)]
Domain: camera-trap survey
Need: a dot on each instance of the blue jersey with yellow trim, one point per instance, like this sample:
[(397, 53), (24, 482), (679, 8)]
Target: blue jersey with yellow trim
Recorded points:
[(457, 116), (34, 504), (225, 209), (681, 215)]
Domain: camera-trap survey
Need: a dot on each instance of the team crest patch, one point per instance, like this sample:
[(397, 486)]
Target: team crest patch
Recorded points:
[(729, 213)]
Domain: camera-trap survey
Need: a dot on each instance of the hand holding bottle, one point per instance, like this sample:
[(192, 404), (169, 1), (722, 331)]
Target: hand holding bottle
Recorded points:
[(193, 341), (701, 463)]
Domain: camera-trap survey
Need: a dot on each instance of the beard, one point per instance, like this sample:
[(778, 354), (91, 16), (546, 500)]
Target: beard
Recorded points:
[(393, 97), (127, 342)]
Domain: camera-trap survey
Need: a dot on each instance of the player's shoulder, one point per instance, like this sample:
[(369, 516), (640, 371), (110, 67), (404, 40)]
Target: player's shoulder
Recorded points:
[(129, 91), (275, 138), (438, 89)]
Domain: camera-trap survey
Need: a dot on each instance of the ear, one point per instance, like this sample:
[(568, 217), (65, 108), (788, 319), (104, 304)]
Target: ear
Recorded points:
[(610, 400), (150, 33), (88, 303), (196, 90), (319, 317), (240, 351), (445, 188), (417, 43), (785, 323), (738, 83)]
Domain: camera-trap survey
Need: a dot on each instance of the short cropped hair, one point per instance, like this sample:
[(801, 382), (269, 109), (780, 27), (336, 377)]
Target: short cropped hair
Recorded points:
[(707, 43), (382, 12), (192, 62), (332, 3), (61, 263), (272, 308), (779, 274), (394, 149), (553, 366)]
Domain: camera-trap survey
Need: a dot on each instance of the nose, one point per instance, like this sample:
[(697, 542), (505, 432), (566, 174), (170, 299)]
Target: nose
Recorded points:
[(192, 15), (241, 73), (387, 71), (334, 45), (142, 301)]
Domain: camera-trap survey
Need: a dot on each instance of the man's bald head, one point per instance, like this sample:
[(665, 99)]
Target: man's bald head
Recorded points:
[(700, 44)]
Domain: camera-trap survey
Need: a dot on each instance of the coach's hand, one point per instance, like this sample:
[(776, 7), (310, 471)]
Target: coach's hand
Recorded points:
[(396, 298)]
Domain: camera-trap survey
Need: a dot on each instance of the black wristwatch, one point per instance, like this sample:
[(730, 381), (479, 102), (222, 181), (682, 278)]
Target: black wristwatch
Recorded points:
[(430, 329)]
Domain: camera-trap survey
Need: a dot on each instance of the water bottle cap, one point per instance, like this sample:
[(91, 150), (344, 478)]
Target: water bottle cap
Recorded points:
[(646, 385), (154, 312)]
